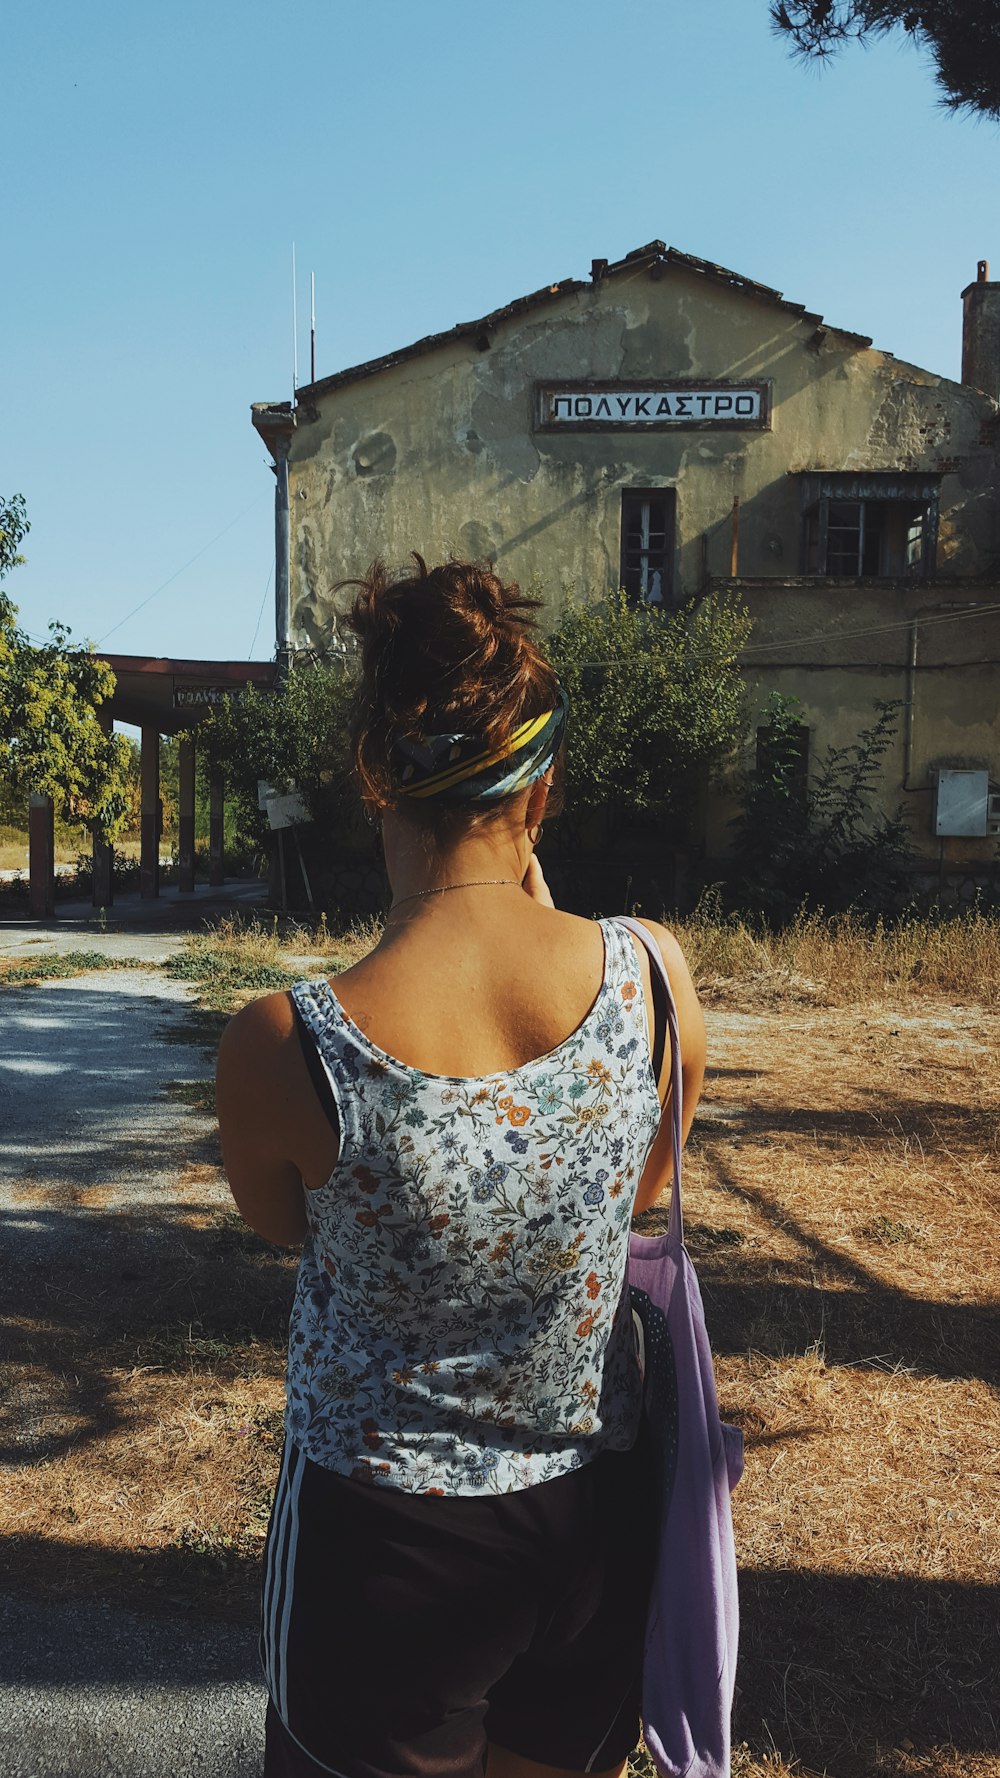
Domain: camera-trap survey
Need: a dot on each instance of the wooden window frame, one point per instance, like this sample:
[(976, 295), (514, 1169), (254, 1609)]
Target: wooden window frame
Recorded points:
[(666, 558), (882, 489)]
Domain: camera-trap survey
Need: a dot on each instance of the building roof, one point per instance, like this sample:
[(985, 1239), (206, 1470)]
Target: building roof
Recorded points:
[(654, 258)]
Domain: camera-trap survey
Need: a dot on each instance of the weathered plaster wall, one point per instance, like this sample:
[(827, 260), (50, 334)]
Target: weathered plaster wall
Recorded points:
[(440, 454), (949, 706)]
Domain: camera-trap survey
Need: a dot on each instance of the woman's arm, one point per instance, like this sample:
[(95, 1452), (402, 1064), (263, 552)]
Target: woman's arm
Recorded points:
[(257, 1090), (659, 1168)]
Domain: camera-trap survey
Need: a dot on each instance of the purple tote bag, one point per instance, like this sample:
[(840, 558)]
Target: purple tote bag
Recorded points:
[(689, 1666)]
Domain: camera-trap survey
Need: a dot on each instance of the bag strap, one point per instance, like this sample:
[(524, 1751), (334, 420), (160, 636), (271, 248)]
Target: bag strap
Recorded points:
[(675, 1226)]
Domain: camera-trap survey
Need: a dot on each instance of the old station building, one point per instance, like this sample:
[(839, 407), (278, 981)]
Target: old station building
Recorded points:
[(669, 426)]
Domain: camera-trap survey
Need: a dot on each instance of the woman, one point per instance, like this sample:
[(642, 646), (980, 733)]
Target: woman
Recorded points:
[(457, 1136)]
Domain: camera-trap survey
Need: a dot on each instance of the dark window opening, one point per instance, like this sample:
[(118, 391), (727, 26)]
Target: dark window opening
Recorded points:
[(647, 552), (870, 527)]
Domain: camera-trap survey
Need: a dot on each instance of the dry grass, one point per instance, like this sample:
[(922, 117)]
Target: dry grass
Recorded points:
[(813, 962), (68, 847), (842, 1204), (841, 962), (140, 1424)]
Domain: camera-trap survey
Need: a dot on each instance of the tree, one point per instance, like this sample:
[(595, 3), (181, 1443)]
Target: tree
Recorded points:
[(657, 703), (51, 741), (962, 36)]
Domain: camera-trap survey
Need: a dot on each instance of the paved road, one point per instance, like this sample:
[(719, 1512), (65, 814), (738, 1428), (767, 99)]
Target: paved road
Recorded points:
[(139, 931), (83, 1072), (87, 1690)]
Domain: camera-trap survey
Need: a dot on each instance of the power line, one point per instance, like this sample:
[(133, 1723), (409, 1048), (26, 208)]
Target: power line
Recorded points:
[(260, 612), (942, 617), (178, 571)]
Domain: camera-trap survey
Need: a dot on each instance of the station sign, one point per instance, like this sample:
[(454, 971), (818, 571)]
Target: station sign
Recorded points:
[(199, 696), (653, 406)]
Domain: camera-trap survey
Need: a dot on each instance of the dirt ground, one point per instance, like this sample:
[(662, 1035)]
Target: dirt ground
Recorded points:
[(842, 1195)]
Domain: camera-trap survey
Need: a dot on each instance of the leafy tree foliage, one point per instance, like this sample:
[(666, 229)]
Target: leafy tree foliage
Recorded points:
[(962, 36), (51, 741), (824, 844), (295, 736), (657, 703)]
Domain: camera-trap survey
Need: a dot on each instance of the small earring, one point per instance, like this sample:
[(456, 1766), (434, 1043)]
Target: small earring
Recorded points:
[(371, 815), (535, 833)]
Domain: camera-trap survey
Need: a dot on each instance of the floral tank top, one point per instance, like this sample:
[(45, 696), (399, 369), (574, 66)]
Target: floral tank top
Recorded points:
[(460, 1318)]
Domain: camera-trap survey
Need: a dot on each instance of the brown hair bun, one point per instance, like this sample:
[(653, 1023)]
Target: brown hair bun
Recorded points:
[(443, 650)]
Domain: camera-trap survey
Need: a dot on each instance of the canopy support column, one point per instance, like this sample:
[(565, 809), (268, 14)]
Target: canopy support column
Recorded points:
[(41, 857), (149, 852), (185, 819), (102, 875)]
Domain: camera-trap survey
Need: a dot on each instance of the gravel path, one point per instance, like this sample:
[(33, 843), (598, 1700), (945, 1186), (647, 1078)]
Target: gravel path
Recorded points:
[(88, 1690)]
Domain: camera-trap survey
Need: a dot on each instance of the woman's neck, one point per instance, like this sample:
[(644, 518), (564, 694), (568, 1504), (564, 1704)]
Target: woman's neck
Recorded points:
[(419, 870)]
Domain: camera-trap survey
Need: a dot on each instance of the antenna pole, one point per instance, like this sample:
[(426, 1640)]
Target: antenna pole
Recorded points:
[(295, 334), (312, 327)]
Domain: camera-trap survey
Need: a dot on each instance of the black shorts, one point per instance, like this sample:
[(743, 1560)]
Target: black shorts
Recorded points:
[(402, 1632)]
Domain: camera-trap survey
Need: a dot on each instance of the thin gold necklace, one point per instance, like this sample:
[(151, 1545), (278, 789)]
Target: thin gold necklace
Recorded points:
[(480, 883)]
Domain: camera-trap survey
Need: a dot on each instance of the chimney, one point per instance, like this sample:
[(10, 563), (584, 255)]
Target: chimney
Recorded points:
[(981, 333)]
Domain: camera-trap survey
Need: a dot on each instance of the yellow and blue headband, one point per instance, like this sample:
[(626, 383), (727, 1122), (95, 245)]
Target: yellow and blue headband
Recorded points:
[(462, 769)]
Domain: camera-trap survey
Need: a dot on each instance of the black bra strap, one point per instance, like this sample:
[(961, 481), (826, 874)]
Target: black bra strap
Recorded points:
[(317, 1073), (659, 1021)]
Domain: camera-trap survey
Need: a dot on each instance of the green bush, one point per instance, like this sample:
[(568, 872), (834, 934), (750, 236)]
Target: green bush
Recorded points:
[(821, 844), (658, 707)]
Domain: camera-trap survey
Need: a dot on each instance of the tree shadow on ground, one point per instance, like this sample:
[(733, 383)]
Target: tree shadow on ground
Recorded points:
[(90, 1294), (836, 1670), (824, 1296), (887, 1115), (64, 1637), (168, 1581), (833, 1668)]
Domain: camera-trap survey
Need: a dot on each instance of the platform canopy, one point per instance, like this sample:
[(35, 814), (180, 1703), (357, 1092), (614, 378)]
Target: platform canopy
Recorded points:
[(168, 695)]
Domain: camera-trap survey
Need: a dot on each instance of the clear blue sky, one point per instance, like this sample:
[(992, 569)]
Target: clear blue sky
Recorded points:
[(432, 159)]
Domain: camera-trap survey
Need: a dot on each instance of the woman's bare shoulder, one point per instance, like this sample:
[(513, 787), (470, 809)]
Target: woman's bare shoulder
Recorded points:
[(259, 1031)]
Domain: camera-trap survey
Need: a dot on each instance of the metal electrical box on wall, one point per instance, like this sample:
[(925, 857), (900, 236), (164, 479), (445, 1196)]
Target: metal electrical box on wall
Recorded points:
[(962, 805)]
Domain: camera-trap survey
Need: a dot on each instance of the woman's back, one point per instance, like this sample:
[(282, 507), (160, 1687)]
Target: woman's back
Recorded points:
[(477, 985), (458, 1318)]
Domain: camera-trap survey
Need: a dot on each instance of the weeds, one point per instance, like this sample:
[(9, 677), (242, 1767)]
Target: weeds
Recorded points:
[(231, 963), (887, 1231), (23, 974), (237, 960), (838, 960)]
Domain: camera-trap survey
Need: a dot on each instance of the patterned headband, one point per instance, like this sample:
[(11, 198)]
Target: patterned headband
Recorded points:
[(461, 769)]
